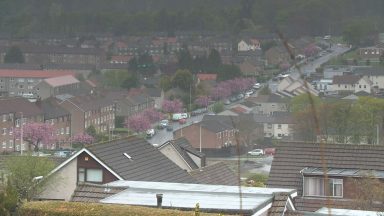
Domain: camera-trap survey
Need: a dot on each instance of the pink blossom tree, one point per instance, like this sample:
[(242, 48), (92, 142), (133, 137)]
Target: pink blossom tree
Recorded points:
[(36, 134), (138, 123), (82, 139), (153, 115), (172, 106), (310, 50), (202, 101)]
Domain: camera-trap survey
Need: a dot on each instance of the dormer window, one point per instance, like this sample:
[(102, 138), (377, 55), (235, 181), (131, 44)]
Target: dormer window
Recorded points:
[(316, 186)]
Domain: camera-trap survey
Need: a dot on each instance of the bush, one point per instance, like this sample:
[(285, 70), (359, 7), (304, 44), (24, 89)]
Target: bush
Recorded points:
[(53, 208), (257, 180)]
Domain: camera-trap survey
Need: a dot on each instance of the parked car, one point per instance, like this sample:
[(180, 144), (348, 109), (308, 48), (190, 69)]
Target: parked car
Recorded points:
[(227, 102), (199, 111), (240, 96), (182, 121), (62, 153), (233, 99), (256, 152), (169, 128), (256, 85), (164, 123), (178, 116), (150, 133)]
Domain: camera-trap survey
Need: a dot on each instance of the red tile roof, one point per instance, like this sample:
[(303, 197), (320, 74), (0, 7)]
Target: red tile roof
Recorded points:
[(203, 77), (34, 73)]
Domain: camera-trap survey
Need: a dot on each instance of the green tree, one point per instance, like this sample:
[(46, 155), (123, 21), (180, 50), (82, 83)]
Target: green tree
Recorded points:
[(185, 60), (165, 82), (8, 199), (303, 102), (183, 79), (29, 175), (14, 55), (214, 60), (91, 130), (218, 107), (132, 81), (227, 72)]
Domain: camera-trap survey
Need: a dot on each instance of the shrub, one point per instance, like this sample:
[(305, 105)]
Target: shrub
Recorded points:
[(52, 208)]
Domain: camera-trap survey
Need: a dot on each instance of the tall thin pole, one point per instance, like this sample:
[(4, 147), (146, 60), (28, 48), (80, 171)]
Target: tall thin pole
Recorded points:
[(377, 135), (200, 137), (21, 134)]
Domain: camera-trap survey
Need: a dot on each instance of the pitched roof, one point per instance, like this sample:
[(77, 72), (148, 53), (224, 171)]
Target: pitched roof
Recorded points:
[(61, 80), (217, 123), (34, 73), (314, 204), (93, 193), (184, 148), (217, 174), (275, 118), (90, 102), (272, 98), (52, 110), (147, 163), (369, 71), (291, 158), (281, 203), (19, 105), (205, 76), (346, 79)]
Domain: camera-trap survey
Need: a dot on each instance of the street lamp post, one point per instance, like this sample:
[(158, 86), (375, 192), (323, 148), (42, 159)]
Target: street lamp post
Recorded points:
[(21, 134)]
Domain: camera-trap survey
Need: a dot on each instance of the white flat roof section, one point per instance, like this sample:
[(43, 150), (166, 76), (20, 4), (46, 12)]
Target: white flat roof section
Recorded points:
[(347, 212), (185, 196)]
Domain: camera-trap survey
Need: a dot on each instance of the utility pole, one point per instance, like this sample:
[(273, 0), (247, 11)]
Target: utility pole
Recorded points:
[(21, 134), (200, 137)]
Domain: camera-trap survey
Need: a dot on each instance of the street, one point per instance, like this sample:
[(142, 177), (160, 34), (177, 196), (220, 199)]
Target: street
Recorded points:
[(310, 67)]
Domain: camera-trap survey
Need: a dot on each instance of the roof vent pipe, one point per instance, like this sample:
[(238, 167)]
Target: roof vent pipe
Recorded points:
[(159, 198)]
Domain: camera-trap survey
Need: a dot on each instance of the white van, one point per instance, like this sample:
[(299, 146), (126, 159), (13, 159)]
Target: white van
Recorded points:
[(178, 116)]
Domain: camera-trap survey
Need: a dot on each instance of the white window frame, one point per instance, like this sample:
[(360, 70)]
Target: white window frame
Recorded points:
[(335, 181)]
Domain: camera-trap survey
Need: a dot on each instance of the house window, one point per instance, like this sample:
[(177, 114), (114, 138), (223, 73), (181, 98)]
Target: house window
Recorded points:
[(345, 86), (67, 130), (90, 175), (4, 145), (4, 131), (269, 126), (365, 86), (10, 144), (4, 117), (279, 126), (359, 86), (316, 187)]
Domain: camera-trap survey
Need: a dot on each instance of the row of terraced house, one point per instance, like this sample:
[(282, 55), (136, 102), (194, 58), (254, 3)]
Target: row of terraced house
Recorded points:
[(62, 101)]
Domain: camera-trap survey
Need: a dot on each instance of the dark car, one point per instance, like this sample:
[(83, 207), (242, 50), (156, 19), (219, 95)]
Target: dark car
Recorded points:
[(169, 128)]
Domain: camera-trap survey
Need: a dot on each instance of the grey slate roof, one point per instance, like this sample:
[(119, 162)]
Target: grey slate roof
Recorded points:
[(279, 204), (217, 123), (93, 193), (346, 79), (276, 118), (217, 174), (19, 105), (369, 71), (91, 102), (147, 164), (52, 110), (291, 158), (183, 147)]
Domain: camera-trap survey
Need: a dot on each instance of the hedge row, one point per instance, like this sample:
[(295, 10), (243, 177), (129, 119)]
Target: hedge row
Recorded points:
[(54, 208)]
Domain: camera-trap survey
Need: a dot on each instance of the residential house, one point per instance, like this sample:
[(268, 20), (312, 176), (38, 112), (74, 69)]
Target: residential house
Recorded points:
[(236, 110), (374, 74), (131, 158), (267, 104), (206, 77), (251, 44), (324, 85), (131, 103), (181, 152), (306, 166), (213, 134), (221, 199), (215, 174), (120, 59), (47, 54), (86, 110), (51, 87), (373, 53), (60, 119), (277, 125), (157, 95), (336, 70), (20, 82), (15, 112), (290, 87), (351, 83)]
